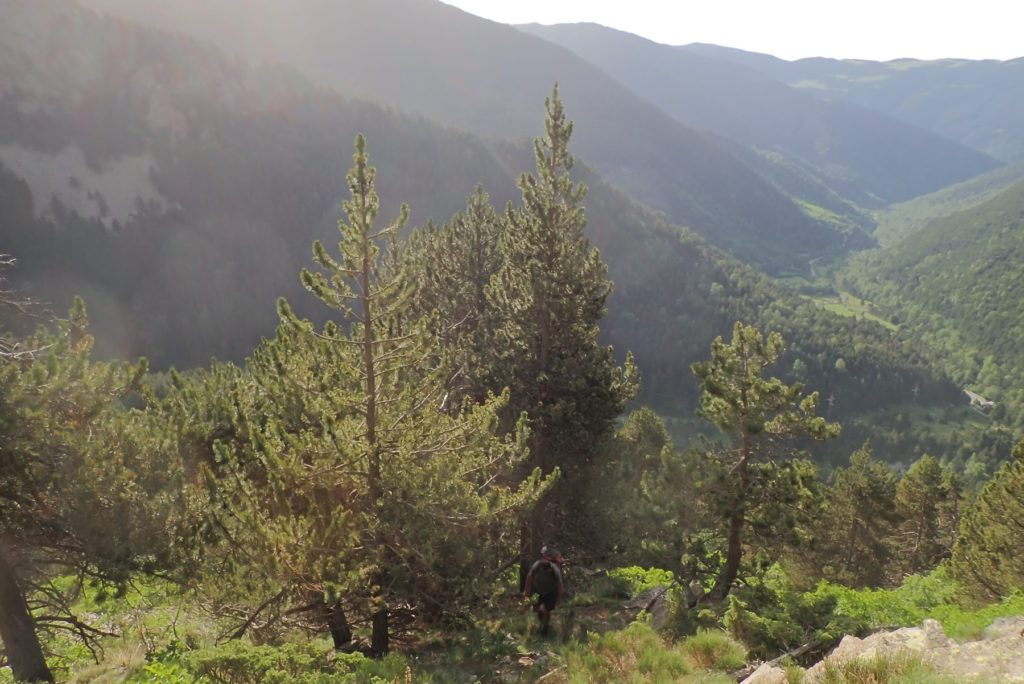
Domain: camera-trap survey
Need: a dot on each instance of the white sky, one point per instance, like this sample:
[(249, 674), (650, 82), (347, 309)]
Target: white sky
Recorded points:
[(791, 29)]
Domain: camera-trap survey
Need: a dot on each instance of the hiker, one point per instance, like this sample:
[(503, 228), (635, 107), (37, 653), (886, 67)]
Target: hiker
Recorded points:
[(545, 580)]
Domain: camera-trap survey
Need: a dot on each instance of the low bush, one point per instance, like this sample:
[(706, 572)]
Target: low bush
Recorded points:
[(711, 649), (640, 579), (772, 618)]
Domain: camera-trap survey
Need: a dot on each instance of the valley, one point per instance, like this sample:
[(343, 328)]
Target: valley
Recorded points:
[(534, 302)]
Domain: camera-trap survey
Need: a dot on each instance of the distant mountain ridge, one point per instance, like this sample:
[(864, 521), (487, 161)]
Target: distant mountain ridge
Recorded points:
[(978, 103), (433, 60), (867, 157)]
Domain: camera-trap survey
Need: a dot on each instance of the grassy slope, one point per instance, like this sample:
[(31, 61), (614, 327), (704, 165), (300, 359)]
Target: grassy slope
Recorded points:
[(161, 636)]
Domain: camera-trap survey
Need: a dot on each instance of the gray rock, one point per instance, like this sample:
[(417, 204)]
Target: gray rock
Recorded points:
[(767, 674), (998, 657)]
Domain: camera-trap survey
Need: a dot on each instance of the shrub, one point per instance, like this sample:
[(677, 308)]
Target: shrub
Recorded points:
[(640, 580), (237, 662), (714, 650), (770, 617), (165, 672), (965, 625), (919, 597)]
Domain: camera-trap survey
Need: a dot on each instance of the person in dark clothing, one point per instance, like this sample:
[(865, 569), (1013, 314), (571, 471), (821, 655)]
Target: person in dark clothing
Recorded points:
[(545, 580)]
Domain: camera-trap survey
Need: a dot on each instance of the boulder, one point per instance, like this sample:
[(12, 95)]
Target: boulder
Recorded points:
[(998, 656)]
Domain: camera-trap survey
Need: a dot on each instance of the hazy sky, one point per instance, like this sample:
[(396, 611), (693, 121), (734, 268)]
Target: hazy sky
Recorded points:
[(866, 29)]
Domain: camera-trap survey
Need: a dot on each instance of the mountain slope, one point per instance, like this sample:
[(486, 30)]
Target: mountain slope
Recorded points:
[(959, 283), (180, 193), (183, 206), (866, 157), (431, 59), (978, 103), (899, 220)]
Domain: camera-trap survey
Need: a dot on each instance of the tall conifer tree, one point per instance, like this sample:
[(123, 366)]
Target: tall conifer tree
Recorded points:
[(452, 265), (550, 295), (855, 529), (988, 557), (924, 498)]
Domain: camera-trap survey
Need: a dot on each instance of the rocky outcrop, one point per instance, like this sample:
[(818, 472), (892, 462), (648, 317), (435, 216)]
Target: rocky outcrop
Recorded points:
[(997, 656)]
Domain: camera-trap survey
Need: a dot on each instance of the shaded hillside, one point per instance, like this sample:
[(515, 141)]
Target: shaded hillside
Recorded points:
[(181, 234), (864, 156), (978, 103), (900, 220), (429, 58), (180, 193), (959, 284)]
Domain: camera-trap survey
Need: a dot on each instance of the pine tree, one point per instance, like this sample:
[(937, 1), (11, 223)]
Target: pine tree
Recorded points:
[(855, 530), (452, 265), (353, 489), (923, 497), (69, 499), (549, 295), (764, 417), (988, 557)]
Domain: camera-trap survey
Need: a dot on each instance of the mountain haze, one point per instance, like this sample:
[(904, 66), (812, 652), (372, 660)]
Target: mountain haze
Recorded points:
[(180, 192), (978, 103), (431, 59), (864, 156)]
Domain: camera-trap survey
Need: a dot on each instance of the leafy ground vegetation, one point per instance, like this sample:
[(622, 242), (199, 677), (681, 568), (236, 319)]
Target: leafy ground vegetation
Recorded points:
[(162, 633), (361, 499)]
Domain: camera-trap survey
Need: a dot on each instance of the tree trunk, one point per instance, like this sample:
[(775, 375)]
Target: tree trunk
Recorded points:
[(337, 623), (18, 630), (738, 518), (528, 544), (380, 640), (734, 554)]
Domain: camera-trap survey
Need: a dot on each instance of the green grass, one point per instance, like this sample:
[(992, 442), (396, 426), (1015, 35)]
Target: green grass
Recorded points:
[(821, 213), (639, 654), (847, 304), (902, 668)]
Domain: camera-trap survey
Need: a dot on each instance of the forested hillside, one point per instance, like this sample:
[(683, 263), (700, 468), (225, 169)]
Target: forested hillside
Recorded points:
[(347, 349), (902, 219), (326, 487), (957, 283), (239, 170), (184, 205)]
